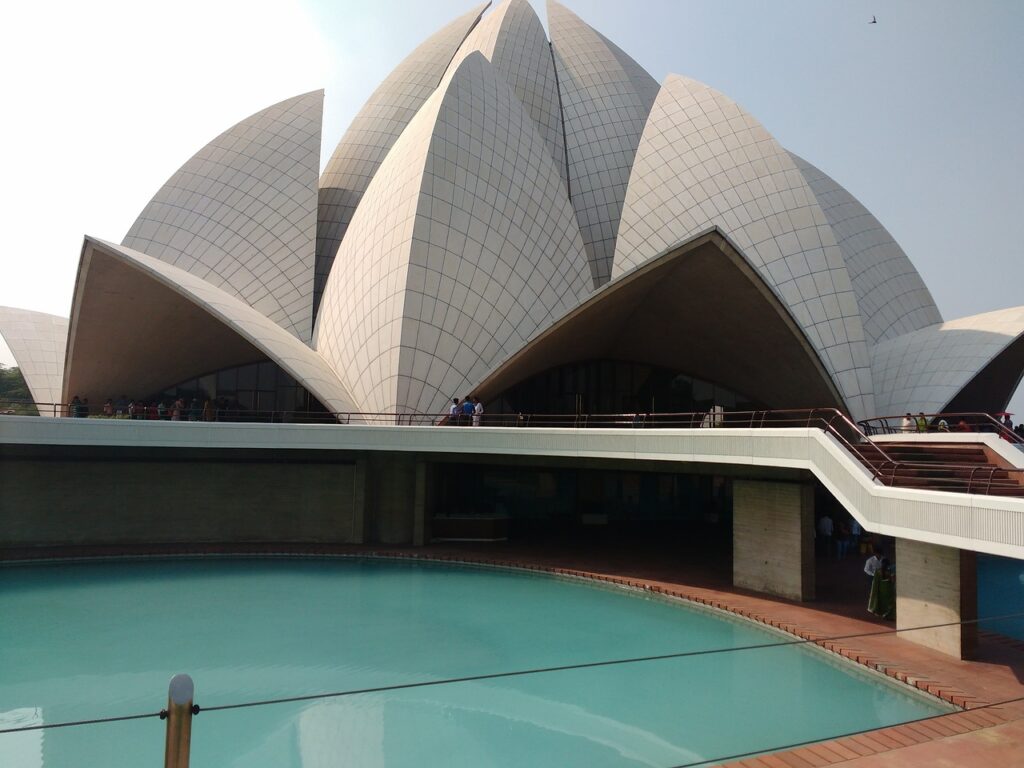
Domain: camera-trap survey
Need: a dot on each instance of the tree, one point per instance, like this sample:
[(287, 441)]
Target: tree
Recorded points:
[(15, 397)]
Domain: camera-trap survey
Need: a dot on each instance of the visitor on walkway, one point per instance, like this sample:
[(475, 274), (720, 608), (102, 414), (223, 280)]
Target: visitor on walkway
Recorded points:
[(908, 425), (873, 563), (467, 411), (453, 412), (882, 600), (478, 411), (922, 422)]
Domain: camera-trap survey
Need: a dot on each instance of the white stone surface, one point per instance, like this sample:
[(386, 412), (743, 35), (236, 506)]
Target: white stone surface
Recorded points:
[(463, 249), (705, 162), (301, 362), (923, 370), (606, 97), (38, 342), (893, 298), (512, 38), (374, 131), (241, 213)]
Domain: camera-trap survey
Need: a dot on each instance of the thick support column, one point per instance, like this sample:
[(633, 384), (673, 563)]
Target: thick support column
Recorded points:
[(395, 499), (773, 538), (937, 585), (359, 508)]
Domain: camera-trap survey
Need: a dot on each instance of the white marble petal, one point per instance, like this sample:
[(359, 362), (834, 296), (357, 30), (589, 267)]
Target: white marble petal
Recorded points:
[(375, 130), (924, 370), (606, 97), (512, 38), (38, 341), (704, 162), (463, 249), (893, 298), (295, 357), (241, 213)]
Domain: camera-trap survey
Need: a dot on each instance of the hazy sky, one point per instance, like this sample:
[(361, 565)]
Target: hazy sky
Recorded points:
[(919, 116)]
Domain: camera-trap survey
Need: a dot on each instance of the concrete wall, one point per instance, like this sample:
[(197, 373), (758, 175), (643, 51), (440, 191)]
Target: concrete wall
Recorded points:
[(81, 502), (395, 499), (773, 538), (936, 585)]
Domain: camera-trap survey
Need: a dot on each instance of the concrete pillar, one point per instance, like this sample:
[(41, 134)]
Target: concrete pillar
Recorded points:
[(395, 499), (359, 509), (937, 585), (773, 538)]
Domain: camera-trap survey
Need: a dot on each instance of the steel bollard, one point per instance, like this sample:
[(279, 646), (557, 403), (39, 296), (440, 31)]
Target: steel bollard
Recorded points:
[(179, 721)]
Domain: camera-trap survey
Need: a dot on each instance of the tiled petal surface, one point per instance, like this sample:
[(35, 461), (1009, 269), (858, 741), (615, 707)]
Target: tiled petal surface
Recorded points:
[(375, 130), (241, 214), (464, 248), (705, 162), (37, 341), (606, 97), (893, 298), (922, 371)]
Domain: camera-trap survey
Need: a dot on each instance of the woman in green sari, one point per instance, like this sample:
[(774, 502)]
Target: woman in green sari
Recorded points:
[(882, 601)]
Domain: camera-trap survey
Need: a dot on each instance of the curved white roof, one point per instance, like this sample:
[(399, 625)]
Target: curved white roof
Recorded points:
[(705, 162), (464, 247), (38, 341), (375, 129), (301, 362), (606, 97), (512, 38), (924, 370), (893, 298), (241, 213)]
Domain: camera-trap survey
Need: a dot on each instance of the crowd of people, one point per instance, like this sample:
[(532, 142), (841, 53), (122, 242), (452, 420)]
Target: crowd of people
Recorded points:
[(179, 409), (924, 424), (468, 411)]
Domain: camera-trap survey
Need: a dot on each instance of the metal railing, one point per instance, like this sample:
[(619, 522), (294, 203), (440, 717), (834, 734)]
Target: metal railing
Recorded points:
[(939, 423), (962, 477)]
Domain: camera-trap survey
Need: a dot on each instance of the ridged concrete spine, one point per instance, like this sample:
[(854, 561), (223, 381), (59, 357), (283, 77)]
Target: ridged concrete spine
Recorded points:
[(893, 298), (924, 370), (295, 357), (463, 249), (38, 341), (241, 213), (606, 97), (512, 38), (375, 130), (705, 162)]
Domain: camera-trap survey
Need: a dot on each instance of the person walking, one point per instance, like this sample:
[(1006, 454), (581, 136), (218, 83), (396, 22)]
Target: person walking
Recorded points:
[(478, 411)]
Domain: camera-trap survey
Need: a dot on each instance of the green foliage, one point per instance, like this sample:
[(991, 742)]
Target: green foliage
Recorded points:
[(14, 395)]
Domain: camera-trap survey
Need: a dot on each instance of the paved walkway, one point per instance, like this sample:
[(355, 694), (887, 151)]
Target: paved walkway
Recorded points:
[(986, 733)]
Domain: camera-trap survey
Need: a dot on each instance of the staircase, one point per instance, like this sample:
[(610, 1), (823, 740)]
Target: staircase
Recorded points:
[(937, 466)]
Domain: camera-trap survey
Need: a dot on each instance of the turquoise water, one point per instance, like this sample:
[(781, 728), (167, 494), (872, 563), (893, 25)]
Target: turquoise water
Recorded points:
[(102, 639)]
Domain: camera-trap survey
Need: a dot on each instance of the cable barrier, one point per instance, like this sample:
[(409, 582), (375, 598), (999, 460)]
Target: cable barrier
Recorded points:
[(819, 641)]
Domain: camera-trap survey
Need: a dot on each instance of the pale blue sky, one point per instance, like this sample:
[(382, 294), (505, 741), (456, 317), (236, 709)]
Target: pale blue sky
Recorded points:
[(919, 115)]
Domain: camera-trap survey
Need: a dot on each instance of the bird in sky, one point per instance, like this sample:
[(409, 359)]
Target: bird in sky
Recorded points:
[(873, 20)]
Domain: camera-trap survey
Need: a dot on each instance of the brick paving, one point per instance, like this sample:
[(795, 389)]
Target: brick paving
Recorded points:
[(985, 733)]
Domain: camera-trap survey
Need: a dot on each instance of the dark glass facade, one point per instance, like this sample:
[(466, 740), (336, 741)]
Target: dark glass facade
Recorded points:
[(614, 386), (261, 387)]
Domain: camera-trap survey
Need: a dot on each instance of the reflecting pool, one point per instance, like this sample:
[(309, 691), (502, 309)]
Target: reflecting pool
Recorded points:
[(91, 640)]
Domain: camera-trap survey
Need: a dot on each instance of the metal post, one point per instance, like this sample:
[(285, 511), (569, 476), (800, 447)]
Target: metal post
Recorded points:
[(179, 721)]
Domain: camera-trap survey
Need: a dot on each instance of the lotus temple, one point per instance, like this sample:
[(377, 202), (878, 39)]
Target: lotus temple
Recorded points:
[(684, 338), (526, 221)]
